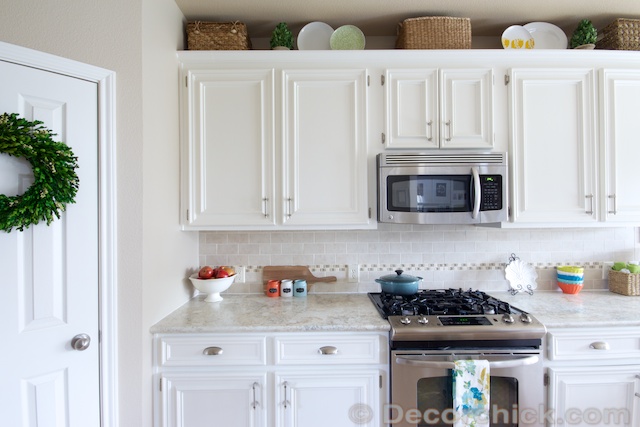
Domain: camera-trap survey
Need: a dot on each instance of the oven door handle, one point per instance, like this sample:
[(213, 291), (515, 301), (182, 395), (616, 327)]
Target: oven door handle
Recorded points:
[(511, 363)]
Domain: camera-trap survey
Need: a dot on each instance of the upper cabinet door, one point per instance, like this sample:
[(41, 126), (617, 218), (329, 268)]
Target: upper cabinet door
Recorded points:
[(449, 108), (620, 132), (553, 146), (411, 110), (466, 111), (228, 162), (325, 153)]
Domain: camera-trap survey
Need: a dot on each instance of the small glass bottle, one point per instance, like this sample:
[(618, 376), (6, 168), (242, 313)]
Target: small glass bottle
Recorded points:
[(286, 288), (300, 288)]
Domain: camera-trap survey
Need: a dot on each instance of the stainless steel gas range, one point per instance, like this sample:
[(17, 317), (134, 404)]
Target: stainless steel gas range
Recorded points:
[(434, 328)]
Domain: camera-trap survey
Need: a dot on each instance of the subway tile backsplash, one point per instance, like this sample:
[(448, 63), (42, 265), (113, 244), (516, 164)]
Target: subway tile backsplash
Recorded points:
[(444, 256)]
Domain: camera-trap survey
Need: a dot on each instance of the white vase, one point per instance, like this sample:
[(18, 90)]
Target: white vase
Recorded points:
[(280, 48)]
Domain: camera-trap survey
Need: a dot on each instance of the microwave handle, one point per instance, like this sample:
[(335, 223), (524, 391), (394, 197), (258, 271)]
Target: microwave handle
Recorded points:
[(513, 363), (476, 190)]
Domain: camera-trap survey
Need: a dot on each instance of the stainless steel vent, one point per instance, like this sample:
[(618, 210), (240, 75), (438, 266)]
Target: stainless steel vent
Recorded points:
[(413, 159)]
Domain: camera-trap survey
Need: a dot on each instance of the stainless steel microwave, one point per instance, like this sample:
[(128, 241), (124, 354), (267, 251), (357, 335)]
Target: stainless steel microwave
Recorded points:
[(442, 188)]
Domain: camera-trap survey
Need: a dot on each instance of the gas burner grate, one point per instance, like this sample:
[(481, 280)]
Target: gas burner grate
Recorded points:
[(440, 302)]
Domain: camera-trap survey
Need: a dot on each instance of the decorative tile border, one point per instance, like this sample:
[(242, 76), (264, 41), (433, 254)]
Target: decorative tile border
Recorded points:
[(433, 267)]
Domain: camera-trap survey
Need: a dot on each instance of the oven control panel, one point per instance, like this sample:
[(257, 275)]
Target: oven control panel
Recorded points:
[(476, 326)]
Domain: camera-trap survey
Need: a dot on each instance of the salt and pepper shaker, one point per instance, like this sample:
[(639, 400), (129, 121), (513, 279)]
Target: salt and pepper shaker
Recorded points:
[(273, 288), (300, 288), (286, 288)]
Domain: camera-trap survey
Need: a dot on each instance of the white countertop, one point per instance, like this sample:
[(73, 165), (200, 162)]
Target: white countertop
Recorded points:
[(587, 308), (355, 312), (259, 313)]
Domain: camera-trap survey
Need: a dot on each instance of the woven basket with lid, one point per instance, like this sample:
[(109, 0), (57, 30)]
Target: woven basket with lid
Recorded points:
[(434, 32), (217, 36), (621, 34)]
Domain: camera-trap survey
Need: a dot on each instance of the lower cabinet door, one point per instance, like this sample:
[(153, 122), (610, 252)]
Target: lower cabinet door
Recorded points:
[(212, 400), (594, 395), (328, 398)]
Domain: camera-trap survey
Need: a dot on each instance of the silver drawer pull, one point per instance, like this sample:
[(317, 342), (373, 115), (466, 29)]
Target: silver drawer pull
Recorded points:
[(599, 345), (212, 351), (328, 349)]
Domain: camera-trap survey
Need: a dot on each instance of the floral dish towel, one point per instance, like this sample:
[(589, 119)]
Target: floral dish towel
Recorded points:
[(471, 391)]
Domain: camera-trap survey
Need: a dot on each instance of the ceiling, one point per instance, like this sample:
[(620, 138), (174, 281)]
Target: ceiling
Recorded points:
[(380, 17)]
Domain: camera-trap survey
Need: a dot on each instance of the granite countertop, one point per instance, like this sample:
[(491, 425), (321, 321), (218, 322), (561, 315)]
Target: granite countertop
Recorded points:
[(587, 308), (258, 313), (355, 312)]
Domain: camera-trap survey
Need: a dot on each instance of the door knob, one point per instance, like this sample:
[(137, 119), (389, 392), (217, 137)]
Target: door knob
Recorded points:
[(81, 342)]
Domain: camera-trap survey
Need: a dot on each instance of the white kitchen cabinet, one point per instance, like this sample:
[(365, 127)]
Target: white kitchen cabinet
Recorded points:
[(254, 157), (439, 108), (217, 399), (270, 380), (325, 156), (320, 399), (620, 130), (594, 377), (553, 146)]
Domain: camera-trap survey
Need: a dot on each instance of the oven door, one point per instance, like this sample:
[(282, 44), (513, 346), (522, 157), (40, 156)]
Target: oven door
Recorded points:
[(422, 393)]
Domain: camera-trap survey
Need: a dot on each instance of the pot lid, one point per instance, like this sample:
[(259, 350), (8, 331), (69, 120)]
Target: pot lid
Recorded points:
[(399, 277)]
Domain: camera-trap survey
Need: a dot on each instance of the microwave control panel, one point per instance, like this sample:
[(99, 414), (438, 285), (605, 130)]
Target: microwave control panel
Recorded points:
[(491, 192)]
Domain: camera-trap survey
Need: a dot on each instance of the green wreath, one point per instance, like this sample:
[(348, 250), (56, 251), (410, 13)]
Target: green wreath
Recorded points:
[(55, 179)]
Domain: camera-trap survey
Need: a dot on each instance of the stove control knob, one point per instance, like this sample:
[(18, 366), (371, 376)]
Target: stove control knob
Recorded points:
[(405, 320), (507, 318), (525, 318), (423, 320)]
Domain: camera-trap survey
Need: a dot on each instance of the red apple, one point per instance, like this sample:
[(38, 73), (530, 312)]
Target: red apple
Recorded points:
[(205, 272), (220, 273), (228, 269)]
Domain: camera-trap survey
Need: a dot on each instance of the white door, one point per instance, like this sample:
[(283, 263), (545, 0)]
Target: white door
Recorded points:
[(49, 274)]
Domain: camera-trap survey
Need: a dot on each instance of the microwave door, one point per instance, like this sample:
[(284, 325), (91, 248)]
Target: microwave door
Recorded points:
[(475, 181)]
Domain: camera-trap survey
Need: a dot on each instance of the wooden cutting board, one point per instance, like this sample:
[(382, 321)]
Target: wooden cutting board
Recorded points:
[(279, 272)]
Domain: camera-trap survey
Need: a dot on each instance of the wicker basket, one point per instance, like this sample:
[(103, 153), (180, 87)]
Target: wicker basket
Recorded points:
[(621, 34), (217, 36), (434, 32), (624, 283)]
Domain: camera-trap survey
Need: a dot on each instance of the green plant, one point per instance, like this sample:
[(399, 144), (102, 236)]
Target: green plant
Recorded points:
[(584, 34), (281, 36)]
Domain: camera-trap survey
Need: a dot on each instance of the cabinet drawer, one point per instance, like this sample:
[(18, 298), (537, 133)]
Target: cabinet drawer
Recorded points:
[(328, 349), (211, 350), (594, 344)]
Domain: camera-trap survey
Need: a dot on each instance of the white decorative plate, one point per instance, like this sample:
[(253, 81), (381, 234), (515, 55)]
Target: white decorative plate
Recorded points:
[(517, 37), (521, 276), (315, 36), (547, 36), (347, 37)]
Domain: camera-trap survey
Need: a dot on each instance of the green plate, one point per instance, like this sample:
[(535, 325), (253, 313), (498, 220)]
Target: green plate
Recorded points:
[(347, 37)]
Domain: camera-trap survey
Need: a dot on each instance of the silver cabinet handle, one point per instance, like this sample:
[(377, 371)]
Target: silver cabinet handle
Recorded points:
[(599, 345), (615, 204), (328, 349), (590, 197), (448, 125), (289, 209), (212, 351), (81, 342), (286, 402), (255, 403), (265, 207), (429, 130)]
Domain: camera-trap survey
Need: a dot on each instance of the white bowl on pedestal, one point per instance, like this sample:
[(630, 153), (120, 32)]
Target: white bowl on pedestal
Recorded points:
[(212, 287)]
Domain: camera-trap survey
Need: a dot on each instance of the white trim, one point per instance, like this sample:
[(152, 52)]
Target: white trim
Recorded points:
[(106, 82)]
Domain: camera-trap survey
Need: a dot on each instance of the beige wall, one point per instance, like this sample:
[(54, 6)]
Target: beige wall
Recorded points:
[(152, 253)]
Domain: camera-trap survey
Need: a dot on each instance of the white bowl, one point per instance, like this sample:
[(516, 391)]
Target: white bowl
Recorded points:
[(212, 287)]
